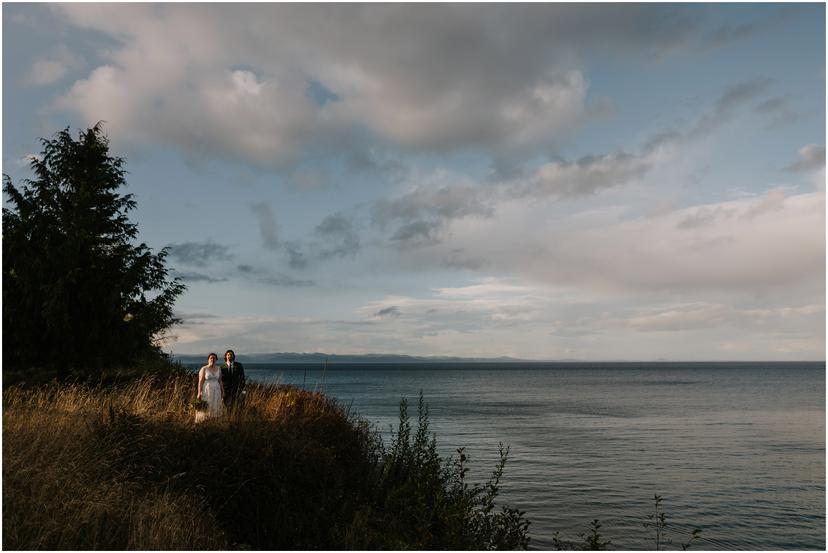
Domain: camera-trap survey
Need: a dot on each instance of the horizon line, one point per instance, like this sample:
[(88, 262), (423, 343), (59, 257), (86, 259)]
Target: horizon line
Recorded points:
[(513, 359)]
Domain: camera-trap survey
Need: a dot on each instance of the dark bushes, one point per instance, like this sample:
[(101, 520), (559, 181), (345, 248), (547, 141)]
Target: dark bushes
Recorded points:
[(424, 502)]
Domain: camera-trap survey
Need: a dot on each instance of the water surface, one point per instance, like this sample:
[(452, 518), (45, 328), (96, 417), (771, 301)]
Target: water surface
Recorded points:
[(736, 449)]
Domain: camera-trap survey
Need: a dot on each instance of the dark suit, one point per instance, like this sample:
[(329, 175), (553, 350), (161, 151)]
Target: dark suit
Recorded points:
[(234, 380)]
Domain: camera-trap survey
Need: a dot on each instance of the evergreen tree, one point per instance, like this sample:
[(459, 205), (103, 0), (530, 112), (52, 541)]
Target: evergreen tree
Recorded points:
[(77, 291)]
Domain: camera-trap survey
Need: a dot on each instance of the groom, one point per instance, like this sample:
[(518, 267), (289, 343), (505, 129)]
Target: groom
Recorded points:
[(232, 375)]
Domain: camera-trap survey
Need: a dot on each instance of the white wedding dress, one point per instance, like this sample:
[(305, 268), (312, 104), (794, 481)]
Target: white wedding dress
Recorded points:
[(211, 394)]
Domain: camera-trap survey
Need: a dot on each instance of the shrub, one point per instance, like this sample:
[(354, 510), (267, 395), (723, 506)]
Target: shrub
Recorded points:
[(124, 467), (655, 522), (421, 501)]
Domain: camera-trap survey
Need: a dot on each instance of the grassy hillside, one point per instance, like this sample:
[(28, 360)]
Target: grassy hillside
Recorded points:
[(124, 467)]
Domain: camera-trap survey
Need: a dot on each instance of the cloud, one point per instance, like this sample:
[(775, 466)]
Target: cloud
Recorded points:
[(297, 258), (720, 111), (284, 280), (586, 176), (706, 315), (421, 216), (419, 233), (496, 316), (769, 244), (335, 236), (191, 276), (779, 110), (253, 333), (338, 237), (571, 322), (486, 303), (50, 69), (725, 107), (592, 174), (446, 202), (740, 246), (195, 316), (811, 158), (210, 254), (372, 160), (199, 254), (391, 312), (267, 224), (704, 216), (729, 33), (740, 94), (263, 275), (771, 105), (426, 214), (191, 319), (259, 83), (772, 200), (227, 113)]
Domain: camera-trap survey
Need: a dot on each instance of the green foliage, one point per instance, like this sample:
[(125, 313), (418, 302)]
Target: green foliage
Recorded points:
[(592, 541), (422, 501), (656, 522), (77, 291)]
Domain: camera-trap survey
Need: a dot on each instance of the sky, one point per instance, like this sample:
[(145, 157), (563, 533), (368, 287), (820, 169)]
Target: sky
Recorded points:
[(543, 181)]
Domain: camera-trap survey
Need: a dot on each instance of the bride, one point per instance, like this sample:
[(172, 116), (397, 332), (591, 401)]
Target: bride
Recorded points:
[(210, 389)]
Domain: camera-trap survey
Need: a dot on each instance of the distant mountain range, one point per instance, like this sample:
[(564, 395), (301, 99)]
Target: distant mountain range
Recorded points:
[(334, 358)]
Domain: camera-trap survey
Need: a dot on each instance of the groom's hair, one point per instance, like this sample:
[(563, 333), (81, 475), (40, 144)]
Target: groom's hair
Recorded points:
[(229, 351)]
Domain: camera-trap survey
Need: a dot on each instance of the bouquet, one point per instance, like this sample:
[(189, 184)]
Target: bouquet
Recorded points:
[(198, 405)]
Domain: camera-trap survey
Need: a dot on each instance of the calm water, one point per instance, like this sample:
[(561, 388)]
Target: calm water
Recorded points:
[(735, 449)]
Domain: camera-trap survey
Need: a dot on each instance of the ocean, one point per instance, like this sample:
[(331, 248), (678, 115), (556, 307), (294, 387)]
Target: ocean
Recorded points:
[(735, 449)]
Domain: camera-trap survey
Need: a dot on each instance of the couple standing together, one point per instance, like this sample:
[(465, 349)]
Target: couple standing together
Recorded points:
[(219, 386)]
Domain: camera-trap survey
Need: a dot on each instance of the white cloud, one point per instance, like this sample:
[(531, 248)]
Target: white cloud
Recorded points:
[(551, 322), (811, 158), (588, 175), (706, 315), (262, 334), (234, 81), (232, 113), (770, 244), (50, 69), (421, 214), (570, 245), (488, 300)]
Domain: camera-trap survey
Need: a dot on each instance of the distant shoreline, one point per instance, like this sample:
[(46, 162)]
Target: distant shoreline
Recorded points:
[(357, 358), (381, 359)]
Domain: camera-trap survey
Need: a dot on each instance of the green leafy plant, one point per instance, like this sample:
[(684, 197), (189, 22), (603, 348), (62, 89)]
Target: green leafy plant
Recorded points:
[(593, 540), (423, 501), (590, 541), (657, 523)]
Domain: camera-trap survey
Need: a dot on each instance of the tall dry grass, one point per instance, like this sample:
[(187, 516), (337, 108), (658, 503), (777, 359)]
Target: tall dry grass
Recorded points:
[(125, 467)]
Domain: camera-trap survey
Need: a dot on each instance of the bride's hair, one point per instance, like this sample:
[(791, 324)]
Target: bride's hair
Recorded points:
[(212, 355)]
